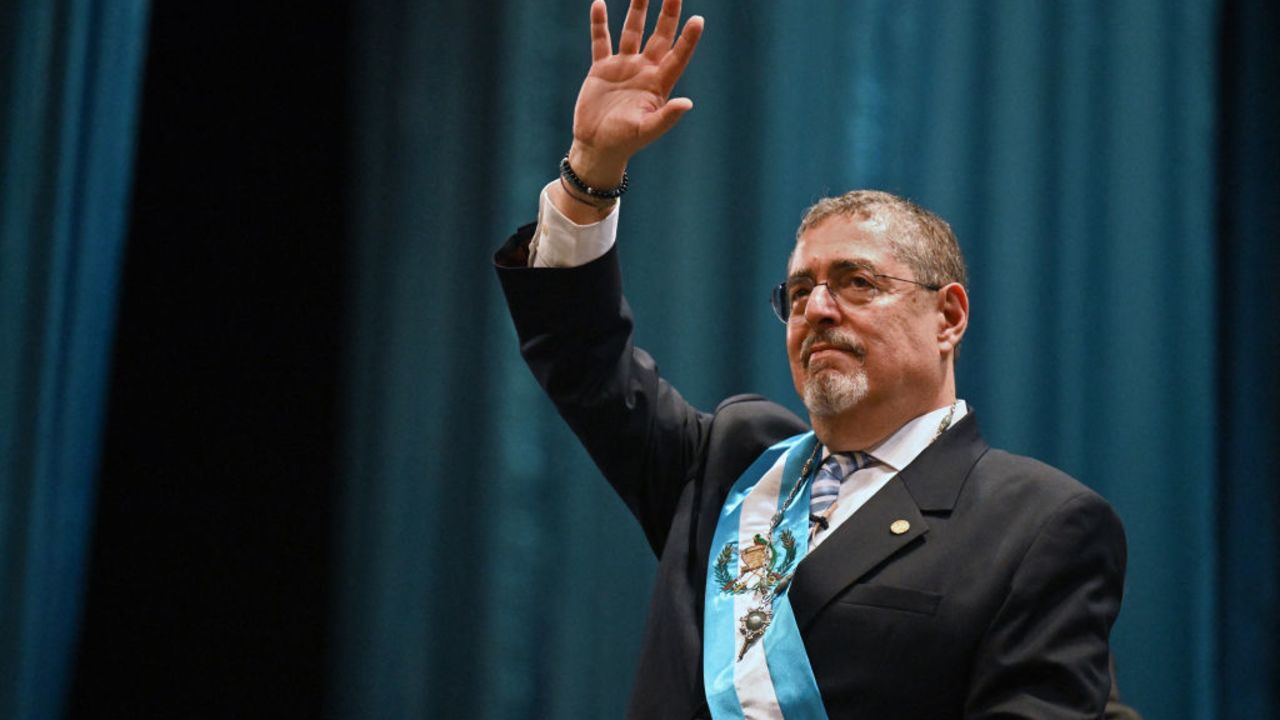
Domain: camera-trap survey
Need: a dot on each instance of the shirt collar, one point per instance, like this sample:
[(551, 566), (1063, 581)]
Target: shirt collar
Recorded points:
[(899, 449)]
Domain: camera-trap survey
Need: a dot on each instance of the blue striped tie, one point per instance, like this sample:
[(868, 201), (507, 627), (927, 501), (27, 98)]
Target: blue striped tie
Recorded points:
[(826, 485)]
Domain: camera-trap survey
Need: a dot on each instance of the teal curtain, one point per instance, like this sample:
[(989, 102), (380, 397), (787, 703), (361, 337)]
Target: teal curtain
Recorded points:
[(69, 82), (1249, 346), (488, 572)]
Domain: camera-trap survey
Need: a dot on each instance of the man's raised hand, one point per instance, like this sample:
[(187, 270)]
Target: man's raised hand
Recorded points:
[(625, 101)]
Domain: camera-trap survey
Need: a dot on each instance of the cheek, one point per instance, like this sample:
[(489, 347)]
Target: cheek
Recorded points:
[(887, 346), (795, 338), (907, 345)]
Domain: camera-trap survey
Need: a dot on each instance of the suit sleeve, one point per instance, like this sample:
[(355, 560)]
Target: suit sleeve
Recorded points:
[(1045, 655), (575, 333)]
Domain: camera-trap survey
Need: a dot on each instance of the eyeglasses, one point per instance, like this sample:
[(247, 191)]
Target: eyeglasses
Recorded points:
[(854, 285)]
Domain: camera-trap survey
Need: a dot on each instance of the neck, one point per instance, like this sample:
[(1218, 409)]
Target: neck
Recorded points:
[(868, 423)]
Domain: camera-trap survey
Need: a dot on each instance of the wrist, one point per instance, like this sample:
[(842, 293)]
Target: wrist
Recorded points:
[(581, 189), (574, 208), (603, 204), (595, 168)]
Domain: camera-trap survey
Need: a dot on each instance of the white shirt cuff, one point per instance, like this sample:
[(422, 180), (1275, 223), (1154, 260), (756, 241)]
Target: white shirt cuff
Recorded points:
[(560, 242)]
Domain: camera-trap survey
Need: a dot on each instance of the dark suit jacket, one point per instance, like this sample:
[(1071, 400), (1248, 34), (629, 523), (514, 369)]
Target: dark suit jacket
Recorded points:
[(997, 603)]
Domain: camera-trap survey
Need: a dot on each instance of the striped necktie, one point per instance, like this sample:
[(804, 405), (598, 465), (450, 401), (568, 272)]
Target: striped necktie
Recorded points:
[(826, 485)]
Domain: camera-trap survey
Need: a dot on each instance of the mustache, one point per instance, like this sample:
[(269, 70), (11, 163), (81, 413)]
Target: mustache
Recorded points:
[(834, 337)]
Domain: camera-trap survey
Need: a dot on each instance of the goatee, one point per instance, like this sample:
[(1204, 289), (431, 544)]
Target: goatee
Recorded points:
[(828, 392)]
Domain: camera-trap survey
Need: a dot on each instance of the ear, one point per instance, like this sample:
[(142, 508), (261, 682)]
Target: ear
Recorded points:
[(953, 316)]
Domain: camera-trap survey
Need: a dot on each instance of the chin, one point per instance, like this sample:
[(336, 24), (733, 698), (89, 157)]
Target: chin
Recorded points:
[(828, 393)]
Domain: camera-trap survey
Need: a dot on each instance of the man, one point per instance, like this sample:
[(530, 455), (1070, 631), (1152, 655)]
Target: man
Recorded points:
[(886, 564)]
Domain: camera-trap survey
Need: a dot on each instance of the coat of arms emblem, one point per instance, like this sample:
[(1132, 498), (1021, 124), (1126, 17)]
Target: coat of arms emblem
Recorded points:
[(764, 567)]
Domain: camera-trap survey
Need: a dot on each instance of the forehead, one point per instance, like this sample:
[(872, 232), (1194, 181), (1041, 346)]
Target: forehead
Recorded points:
[(844, 239)]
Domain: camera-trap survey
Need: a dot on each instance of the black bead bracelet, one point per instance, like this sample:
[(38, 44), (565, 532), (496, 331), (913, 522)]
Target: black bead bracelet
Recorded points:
[(568, 174)]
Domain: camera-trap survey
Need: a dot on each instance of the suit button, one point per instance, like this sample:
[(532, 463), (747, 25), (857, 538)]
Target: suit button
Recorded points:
[(899, 527)]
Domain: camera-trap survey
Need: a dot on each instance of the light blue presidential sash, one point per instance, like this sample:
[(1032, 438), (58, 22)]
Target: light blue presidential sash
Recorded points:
[(753, 658)]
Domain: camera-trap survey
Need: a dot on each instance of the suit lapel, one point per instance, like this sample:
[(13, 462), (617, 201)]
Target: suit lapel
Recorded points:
[(931, 483), (858, 545)]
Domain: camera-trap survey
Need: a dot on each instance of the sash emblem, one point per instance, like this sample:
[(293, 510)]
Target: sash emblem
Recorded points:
[(764, 569)]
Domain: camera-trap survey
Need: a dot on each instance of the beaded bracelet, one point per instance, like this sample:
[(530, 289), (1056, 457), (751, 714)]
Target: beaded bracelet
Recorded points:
[(567, 173), (603, 206)]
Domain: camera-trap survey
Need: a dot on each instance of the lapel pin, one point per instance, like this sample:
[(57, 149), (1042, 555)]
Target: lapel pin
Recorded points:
[(899, 527)]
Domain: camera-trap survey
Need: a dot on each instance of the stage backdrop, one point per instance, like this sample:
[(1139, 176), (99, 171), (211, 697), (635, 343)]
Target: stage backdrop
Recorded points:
[(1077, 150), (69, 79)]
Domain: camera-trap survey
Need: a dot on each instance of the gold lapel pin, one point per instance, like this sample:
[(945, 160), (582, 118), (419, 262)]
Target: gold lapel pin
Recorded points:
[(899, 527)]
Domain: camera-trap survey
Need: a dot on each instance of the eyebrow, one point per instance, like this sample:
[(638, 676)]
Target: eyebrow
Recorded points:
[(807, 274)]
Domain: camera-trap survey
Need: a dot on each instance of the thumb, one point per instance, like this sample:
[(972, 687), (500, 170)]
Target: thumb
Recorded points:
[(664, 118)]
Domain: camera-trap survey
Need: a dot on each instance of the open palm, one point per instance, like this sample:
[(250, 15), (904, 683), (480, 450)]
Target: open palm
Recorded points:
[(625, 100)]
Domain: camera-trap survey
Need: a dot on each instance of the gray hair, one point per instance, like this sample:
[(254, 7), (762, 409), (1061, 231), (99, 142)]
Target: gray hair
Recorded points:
[(923, 240)]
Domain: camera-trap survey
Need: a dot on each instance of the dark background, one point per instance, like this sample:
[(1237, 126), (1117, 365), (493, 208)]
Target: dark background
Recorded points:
[(209, 587)]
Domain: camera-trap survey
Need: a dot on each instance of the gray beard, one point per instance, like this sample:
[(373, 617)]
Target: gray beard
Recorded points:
[(828, 393)]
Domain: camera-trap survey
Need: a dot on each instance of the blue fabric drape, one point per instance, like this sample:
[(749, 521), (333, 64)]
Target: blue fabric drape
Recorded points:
[(488, 571), (69, 82)]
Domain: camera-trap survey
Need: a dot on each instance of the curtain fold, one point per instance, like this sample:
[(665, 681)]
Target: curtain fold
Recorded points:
[(1249, 351), (489, 572), (69, 83)]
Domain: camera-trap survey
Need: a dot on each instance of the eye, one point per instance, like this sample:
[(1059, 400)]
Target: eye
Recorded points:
[(857, 280), (798, 291)]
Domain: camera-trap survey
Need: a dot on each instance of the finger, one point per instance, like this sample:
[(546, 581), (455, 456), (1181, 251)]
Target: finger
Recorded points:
[(601, 44), (663, 119), (664, 32), (673, 65), (633, 28)]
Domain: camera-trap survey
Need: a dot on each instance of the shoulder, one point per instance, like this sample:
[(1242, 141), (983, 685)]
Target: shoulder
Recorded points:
[(1001, 475), (742, 427), (1043, 504), (755, 416)]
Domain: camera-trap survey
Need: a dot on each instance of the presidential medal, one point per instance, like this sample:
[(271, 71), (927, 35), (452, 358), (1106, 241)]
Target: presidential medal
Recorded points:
[(764, 569)]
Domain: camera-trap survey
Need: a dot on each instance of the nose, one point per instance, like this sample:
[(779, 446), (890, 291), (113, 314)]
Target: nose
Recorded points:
[(821, 307)]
